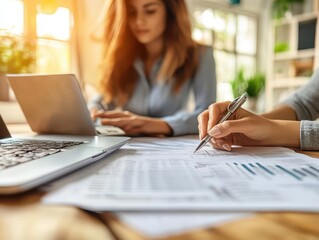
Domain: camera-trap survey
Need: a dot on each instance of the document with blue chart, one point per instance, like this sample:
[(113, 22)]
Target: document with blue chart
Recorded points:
[(164, 174)]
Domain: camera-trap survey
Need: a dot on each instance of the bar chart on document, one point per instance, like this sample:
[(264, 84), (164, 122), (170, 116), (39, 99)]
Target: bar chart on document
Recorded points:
[(285, 170), (161, 175), (252, 170), (259, 174), (271, 171)]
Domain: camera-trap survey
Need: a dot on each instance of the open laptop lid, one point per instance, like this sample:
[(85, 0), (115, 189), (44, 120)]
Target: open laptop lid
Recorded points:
[(52, 104)]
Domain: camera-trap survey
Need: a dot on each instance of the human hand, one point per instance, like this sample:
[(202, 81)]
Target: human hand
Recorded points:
[(133, 124), (95, 112), (245, 128)]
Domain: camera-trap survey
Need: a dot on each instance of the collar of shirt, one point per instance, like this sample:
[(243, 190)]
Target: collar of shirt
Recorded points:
[(139, 67)]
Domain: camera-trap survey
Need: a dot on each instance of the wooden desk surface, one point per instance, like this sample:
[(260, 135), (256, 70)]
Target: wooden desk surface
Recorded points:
[(23, 217)]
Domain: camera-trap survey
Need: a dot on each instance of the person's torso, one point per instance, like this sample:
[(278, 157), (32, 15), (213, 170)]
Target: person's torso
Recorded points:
[(153, 98)]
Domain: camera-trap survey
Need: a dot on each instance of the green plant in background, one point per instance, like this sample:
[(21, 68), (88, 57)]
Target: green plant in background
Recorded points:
[(253, 85), (16, 55), (239, 84), (281, 47), (280, 7)]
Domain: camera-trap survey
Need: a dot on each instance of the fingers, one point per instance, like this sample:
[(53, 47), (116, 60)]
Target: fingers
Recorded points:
[(202, 124), (112, 114), (242, 128), (230, 127), (216, 111), (223, 129), (95, 113), (128, 124), (210, 117), (124, 123), (241, 122), (117, 122), (221, 143)]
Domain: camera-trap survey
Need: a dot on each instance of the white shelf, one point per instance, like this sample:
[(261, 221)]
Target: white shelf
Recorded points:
[(295, 55), (296, 18), (290, 82), (293, 62)]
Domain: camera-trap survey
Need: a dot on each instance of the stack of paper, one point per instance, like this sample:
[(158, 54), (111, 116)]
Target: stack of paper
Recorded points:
[(156, 174)]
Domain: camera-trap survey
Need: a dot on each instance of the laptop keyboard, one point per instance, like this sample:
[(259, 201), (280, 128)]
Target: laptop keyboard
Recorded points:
[(14, 152)]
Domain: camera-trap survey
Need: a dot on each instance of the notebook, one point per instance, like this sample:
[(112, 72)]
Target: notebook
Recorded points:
[(54, 104), (29, 161)]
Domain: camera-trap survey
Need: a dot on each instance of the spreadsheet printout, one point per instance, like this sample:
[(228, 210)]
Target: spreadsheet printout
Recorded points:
[(164, 174)]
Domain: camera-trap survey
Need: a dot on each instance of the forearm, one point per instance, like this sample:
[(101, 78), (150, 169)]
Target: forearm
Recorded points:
[(282, 112), (183, 123), (285, 133), (156, 127)]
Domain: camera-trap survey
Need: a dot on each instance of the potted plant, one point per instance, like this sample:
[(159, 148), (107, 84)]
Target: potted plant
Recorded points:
[(16, 56), (253, 85), (281, 7), (239, 83)]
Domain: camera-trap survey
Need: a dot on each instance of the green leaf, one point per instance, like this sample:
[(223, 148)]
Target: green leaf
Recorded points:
[(16, 55), (253, 85)]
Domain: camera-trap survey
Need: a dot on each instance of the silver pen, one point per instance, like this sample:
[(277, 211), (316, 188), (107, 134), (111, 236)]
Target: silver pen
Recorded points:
[(231, 108)]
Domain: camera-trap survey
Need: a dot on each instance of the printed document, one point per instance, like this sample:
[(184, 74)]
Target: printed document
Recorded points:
[(164, 174), (163, 224)]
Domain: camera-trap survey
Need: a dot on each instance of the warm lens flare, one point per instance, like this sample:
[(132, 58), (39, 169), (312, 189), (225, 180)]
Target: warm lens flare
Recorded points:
[(56, 25), (11, 16)]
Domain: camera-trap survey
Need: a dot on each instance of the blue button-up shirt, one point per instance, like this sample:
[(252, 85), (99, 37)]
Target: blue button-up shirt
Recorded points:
[(156, 99)]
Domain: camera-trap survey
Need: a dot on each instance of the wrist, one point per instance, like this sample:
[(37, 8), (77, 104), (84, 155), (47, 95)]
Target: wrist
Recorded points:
[(155, 126), (282, 112), (286, 133)]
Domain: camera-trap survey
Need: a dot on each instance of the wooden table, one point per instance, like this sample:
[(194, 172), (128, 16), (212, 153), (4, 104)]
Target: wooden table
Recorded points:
[(23, 217)]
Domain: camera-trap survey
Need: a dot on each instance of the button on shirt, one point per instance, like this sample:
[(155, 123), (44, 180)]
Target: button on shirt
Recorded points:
[(157, 99)]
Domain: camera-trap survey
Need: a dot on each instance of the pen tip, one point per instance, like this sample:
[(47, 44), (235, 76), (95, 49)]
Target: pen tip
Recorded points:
[(199, 146)]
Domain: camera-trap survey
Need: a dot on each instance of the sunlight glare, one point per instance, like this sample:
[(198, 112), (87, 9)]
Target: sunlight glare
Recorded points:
[(55, 25), (11, 16)]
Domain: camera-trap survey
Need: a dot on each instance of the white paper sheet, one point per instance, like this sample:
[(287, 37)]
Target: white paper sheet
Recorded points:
[(160, 225), (164, 174)]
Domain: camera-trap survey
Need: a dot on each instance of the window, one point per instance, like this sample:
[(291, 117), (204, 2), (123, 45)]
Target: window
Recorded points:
[(233, 37), (45, 23), (11, 16)]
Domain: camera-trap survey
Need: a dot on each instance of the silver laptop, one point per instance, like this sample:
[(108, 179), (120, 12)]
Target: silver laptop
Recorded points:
[(30, 161), (54, 104)]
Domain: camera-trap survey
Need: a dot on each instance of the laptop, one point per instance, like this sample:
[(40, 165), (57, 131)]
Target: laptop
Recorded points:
[(54, 104), (29, 161)]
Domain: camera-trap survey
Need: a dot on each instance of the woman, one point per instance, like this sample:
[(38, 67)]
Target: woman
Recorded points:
[(287, 125), (151, 65)]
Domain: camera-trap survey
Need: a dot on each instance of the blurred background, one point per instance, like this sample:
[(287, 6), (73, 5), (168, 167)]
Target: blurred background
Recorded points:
[(268, 48)]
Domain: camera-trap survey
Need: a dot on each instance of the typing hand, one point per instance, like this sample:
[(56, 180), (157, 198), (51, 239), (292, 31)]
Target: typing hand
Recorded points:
[(133, 124), (95, 113)]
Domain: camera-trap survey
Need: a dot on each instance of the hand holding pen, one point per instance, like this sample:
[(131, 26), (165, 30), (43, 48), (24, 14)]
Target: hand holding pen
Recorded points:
[(231, 108)]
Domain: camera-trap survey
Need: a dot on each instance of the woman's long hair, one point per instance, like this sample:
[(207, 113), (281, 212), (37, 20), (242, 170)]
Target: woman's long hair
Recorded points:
[(180, 58)]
